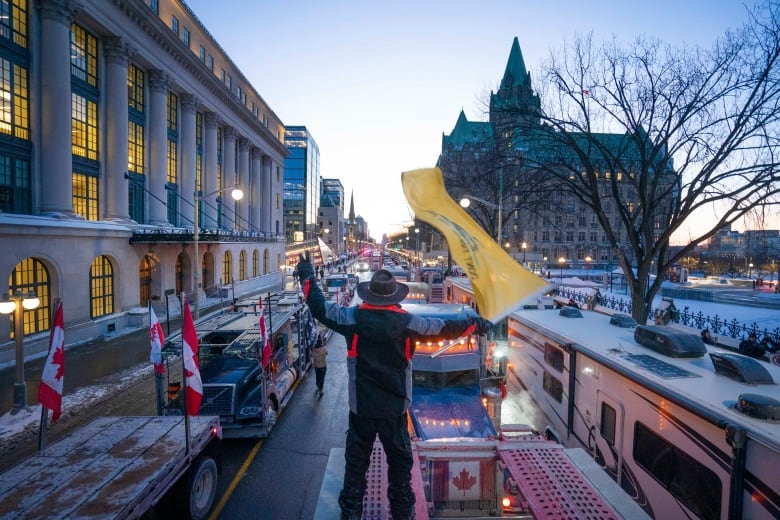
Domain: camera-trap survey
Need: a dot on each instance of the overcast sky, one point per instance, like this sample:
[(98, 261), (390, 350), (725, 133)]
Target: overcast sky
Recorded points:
[(378, 83)]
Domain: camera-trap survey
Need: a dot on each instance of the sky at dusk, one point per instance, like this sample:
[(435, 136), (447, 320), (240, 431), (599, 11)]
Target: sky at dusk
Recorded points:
[(377, 84)]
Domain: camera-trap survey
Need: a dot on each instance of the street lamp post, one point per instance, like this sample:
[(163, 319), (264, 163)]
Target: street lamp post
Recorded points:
[(587, 266), (417, 248), (17, 304), (523, 246), (561, 261), (236, 194)]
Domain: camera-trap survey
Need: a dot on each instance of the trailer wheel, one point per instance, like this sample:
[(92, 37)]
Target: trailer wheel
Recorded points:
[(201, 488)]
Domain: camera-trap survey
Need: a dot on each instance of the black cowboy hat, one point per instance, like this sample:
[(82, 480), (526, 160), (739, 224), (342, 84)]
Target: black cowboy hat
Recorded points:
[(382, 289)]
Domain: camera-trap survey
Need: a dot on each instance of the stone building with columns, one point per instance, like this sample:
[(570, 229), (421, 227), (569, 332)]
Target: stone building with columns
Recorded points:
[(117, 119)]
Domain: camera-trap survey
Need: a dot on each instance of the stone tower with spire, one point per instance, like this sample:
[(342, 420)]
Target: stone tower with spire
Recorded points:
[(351, 223)]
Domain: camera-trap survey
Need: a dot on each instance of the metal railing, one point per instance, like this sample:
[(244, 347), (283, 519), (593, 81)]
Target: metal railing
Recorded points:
[(719, 326)]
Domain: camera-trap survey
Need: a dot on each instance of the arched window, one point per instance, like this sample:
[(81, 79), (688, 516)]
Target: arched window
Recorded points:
[(227, 268), (255, 264), (242, 265), (31, 275), (101, 287)]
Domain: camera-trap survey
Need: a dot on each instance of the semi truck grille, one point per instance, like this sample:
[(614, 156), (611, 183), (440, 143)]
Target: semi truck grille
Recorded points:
[(217, 400)]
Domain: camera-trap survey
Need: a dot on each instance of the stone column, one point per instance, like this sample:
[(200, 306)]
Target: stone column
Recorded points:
[(244, 183), (256, 202), (158, 147), (228, 176), (187, 143), (56, 160), (209, 181), (268, 200), (117, 54)]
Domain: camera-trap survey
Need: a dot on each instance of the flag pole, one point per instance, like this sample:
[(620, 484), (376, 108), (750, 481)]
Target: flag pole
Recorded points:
[(184, 388), (158, 379), (44, 412)]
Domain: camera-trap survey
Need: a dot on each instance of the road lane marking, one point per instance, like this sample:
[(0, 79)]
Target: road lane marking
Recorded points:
[(245, 466)]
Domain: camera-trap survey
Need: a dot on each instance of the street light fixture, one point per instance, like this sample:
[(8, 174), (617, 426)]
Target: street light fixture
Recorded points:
[(17, 304), (588, 260), (465, 202), (236, 194), (561, 261), (523, 246)]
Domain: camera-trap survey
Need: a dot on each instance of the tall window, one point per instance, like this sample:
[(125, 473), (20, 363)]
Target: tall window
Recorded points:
[(14, 100), (31, 275), (101, 287), (135, 142), (84, 121), (227, 268), (84, 127), (255, 264), (85, 203), (242, 265), (13, 21), (15, 147), (83, 55), (173, 160)]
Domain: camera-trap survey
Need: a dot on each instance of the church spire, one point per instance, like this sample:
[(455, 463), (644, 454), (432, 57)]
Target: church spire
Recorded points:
[(352, 207), (515, 73)]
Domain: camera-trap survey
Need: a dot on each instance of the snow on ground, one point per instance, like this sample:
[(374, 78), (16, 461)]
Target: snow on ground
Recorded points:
[(81, 399)]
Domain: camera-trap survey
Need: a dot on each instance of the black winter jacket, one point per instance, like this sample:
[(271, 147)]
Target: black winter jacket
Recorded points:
[(380, 345)]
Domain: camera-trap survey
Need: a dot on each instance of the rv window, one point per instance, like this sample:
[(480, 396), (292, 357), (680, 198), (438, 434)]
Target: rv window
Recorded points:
[(552, 386), (692, 483), (608, 421), (553, 356)]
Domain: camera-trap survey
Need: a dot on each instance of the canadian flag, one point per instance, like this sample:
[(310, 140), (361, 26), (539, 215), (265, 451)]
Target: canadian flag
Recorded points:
[(50, 388), (157, 339), (264, 340), (463, 480), (189, 353)]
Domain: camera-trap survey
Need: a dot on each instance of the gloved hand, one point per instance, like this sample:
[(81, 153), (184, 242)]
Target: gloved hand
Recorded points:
[(482, 325), (305, 268)]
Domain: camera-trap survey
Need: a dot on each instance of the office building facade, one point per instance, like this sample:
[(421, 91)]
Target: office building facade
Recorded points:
[(301, 185), (117, 120)]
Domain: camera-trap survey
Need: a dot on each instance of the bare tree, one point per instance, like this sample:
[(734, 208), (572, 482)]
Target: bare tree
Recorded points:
[(646, 135)]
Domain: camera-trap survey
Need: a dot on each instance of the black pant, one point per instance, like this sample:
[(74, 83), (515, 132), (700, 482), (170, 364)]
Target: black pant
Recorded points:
[(394, 436), (319, 374)]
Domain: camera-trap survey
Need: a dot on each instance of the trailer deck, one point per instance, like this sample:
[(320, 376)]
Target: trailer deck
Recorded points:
[(114, 467)]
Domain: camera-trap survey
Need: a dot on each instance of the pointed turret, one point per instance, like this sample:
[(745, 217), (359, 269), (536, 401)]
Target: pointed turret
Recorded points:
[(515, 73)]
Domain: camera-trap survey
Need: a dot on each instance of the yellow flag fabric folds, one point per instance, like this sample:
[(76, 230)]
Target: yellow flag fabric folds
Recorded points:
[(500, 283)]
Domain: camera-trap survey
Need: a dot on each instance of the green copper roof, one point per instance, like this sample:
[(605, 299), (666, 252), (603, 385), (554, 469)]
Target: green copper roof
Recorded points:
[(515, 72), (471, 132)]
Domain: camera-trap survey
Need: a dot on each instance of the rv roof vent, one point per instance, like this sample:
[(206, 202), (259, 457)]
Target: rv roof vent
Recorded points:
[(570, 312), (622, 320), (741, 368), (759, 406), (669, 342)]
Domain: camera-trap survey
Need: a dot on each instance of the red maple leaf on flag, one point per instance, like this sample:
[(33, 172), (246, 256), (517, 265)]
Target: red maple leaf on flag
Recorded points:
[(464, 480), (59, 360)]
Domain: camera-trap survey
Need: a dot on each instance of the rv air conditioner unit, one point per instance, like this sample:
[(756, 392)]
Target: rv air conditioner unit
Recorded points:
[(669, 342)]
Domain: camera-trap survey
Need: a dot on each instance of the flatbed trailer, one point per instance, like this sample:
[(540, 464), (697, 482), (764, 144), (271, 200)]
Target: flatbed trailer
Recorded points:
[(118, 467)]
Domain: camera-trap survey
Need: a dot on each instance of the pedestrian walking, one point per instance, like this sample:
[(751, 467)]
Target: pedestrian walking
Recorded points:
[(320, 362), (380, 336)]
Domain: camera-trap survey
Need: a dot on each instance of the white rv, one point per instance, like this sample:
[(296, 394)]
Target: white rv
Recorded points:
[(690, 431)]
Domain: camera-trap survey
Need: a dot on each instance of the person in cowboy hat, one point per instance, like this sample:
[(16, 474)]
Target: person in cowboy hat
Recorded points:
[(380, 338)]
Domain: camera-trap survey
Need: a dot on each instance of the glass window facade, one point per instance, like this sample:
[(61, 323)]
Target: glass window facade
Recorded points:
[(301, 185)]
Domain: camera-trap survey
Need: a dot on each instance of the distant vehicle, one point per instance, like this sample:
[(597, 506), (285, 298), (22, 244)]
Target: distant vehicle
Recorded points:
[(338, 288), (362, 265), (246, 397)]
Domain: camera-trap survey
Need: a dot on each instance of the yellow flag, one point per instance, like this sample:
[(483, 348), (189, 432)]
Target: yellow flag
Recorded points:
[(501, 285)]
